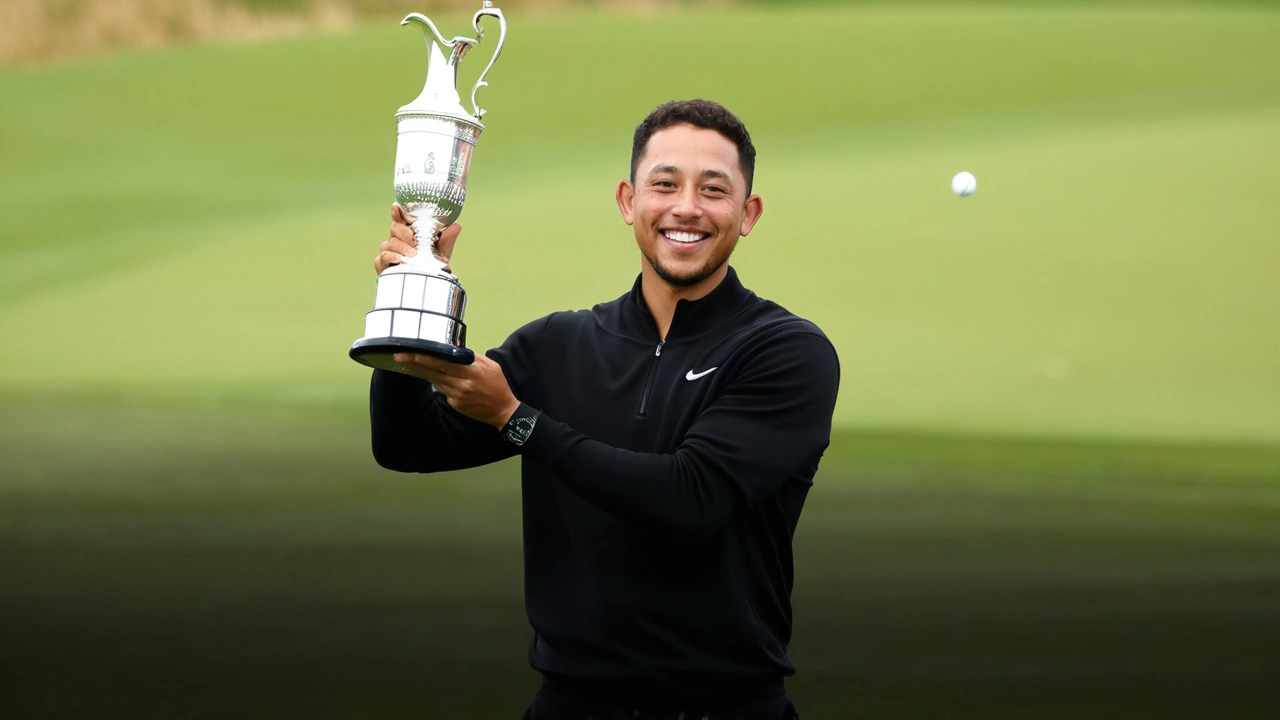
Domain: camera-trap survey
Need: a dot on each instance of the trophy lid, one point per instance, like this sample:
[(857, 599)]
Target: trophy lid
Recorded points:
[(440, 94)]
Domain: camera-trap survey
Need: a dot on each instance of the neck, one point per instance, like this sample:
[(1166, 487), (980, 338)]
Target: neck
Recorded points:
[(661, 296)]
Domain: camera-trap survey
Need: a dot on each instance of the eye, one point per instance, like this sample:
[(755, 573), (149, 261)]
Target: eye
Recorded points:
[(715, 189), (664, 184)]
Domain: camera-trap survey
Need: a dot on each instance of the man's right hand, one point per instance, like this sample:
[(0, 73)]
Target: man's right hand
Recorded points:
[(401, 244)]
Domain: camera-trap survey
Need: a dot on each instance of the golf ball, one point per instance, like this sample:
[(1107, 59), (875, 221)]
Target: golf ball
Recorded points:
[(963, 184)]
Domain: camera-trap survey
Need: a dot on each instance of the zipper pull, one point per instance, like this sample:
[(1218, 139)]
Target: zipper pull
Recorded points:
[(658, 352)]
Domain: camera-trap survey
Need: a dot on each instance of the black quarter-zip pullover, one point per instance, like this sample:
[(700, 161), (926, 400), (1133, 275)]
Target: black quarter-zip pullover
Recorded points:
[(661, 485)]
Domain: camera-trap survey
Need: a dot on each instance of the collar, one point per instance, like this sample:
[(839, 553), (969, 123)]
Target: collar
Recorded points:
[(692, 317)]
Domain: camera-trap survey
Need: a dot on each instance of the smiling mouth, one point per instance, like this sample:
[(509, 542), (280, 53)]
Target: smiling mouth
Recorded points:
[(684, 237)]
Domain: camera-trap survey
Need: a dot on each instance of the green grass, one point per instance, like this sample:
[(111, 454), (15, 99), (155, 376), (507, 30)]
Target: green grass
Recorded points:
[(1053, 488), (203, 220)]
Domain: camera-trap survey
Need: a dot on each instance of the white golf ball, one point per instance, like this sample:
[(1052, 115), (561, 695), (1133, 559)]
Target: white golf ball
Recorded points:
[(964, 184)]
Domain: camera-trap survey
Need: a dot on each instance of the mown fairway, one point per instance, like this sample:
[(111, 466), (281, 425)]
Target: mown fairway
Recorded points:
[(190, 524)]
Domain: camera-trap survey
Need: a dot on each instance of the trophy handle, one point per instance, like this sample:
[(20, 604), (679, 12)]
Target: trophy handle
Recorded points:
[(491, 11)]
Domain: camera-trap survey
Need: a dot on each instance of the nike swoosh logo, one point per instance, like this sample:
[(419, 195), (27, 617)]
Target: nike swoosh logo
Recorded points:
[(691, 375)]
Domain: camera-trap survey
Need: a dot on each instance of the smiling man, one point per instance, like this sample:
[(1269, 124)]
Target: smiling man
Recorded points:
[(668, 441)]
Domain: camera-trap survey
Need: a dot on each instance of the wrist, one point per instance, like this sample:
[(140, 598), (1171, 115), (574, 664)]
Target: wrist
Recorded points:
[(501, 419)]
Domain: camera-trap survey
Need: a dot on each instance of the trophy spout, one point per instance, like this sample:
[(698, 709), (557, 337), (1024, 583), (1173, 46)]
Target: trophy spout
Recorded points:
[(439, 94), (424, 24)]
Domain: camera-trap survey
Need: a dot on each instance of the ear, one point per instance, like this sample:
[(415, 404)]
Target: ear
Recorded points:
[(752, 210), (626, 197)]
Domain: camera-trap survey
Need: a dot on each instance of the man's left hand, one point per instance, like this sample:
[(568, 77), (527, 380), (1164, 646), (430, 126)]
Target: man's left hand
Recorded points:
[(479, 390)]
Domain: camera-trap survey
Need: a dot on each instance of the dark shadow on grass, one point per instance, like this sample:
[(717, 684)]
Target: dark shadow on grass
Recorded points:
[(233, 563)]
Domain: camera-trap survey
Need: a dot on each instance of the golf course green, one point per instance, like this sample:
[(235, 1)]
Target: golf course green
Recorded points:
[(1054, 485)]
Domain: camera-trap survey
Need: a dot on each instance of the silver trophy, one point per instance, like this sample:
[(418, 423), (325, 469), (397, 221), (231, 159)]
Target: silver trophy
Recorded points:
[(419, 303)]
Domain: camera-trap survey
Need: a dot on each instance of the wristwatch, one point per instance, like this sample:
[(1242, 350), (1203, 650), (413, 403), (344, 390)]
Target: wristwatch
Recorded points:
[(520, 426)]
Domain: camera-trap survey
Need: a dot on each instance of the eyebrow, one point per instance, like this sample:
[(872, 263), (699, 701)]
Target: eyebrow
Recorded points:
[(705, 173)]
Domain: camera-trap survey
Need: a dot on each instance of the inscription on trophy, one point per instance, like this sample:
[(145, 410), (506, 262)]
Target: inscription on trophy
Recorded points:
[(430, 167)]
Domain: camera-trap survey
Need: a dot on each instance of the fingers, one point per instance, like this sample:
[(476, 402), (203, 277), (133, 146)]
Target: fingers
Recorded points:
[(480, 390), (399, 215), (433, 370), (404, 233), (384, 260), (445, 384), (433, 365), (400, 242), (448, 238), (451, 379), (396, 245), (392, 252)]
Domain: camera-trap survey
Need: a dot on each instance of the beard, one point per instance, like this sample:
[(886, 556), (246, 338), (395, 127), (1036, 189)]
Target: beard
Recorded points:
[(709, 268), (692, 278)]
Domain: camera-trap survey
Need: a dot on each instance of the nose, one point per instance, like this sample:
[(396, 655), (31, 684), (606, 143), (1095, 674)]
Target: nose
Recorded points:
[(687, 205)]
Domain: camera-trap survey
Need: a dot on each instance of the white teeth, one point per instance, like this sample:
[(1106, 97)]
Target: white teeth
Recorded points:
[(683, 237)]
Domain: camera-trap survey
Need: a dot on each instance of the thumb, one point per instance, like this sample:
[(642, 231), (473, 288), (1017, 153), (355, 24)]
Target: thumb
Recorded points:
[(448, 238)]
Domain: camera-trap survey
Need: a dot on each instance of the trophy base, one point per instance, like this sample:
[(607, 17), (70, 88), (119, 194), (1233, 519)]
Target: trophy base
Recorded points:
[(418, 309), (378, 352)]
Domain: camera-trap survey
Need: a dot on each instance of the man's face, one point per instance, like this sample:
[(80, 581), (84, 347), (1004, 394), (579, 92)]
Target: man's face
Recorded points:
[(688, 205)]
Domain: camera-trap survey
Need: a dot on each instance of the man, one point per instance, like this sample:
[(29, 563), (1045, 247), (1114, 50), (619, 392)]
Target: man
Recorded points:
[(668, 440)]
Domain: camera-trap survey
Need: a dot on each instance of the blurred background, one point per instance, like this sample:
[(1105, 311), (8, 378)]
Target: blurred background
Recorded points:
[(1054, 486)]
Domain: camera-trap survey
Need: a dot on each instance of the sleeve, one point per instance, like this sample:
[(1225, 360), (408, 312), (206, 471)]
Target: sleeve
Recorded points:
[(772, 420), (415, 430)]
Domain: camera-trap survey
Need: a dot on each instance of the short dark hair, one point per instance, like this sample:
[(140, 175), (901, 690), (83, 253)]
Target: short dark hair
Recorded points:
[(699, 113)]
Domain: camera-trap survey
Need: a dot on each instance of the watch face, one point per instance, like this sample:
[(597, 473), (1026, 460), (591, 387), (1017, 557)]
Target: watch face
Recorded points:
[(519, 430)]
